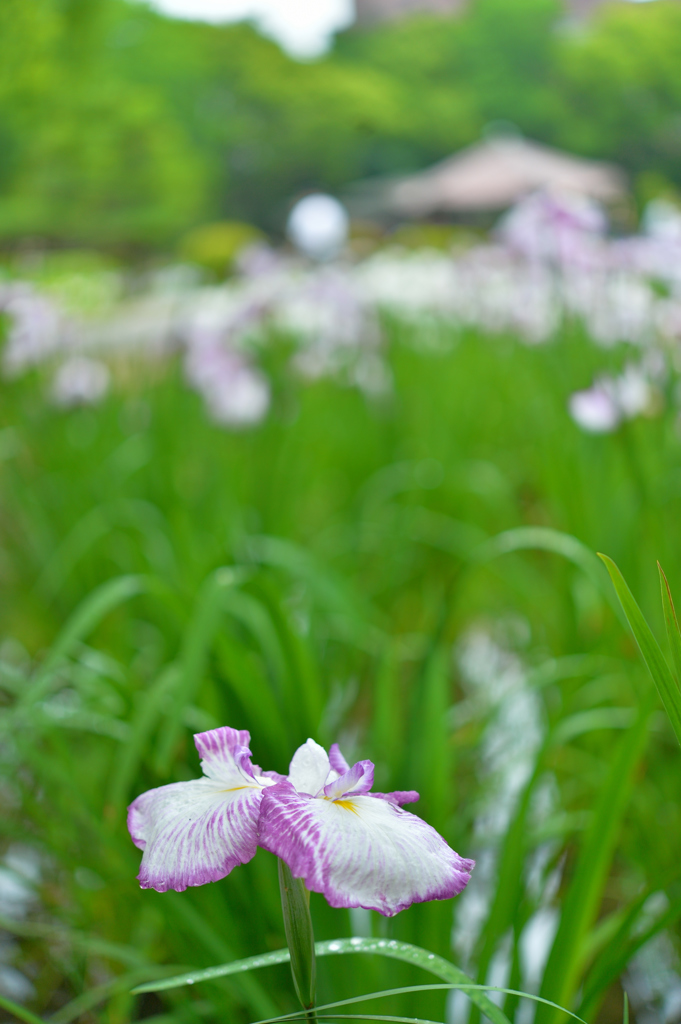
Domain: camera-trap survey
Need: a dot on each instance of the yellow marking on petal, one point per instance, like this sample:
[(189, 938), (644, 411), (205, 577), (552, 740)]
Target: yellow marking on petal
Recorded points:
[(235, 788), (347, 804)]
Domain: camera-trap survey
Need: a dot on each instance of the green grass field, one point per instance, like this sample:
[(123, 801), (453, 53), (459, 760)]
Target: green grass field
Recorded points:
[(323, 575)]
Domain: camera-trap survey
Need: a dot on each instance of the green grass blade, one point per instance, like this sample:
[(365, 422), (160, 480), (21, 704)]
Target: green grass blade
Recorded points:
[(368, 1016), (94, 525), (582, 900), (431, 750), (20, 1012), (196, 645), (509, 879), (79, 940), (649, 648), (331, 591), (144, 720), (92, 997), (543, 538), (615, 957), (407, 989), (200, 931), (85, 618), (404, 951), (625, 1014), (671, 622)]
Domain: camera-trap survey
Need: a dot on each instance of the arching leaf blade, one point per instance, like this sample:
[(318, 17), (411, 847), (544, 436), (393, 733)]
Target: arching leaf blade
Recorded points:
[(649, 648), (404, 951), (671, 622)]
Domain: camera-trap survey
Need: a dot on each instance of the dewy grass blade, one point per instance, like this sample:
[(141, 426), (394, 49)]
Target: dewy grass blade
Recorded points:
[(369, 1016), (407, 989), (249, 963), (404, 951), (649, 648), (672, 623)]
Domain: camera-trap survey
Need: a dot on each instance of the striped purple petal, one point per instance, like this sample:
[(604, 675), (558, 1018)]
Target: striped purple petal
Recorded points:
[(360, 851), (358, 779), (338, 762), (196, 832)]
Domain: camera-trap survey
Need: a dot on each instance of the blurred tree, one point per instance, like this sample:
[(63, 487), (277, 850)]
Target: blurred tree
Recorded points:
[(621, 87), (90, 157), (121, 127)]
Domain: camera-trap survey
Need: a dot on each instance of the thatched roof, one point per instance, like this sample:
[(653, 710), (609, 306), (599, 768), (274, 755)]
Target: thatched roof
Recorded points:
[(494, 174)]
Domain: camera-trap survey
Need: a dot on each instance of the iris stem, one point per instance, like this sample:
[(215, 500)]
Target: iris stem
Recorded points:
[(295, 905)]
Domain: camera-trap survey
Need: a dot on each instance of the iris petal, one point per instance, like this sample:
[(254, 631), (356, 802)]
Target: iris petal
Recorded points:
[(309, 768), (358, 779), (196, 832), (338, 762), (360, 851), (193, 832)]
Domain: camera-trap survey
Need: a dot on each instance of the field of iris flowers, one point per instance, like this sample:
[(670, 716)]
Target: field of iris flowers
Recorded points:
[(408, 569)]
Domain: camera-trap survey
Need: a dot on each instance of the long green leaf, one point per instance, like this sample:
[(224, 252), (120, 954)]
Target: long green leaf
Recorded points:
[(543, 538), (295, 906), (370, 1016), (331, 591), (407, 989), (671, 622), (18, 1011), (94, 996), (618, 953), (200, 931), (581, 902), (404, 951), (196, 646), (85, 618), (649, 648)]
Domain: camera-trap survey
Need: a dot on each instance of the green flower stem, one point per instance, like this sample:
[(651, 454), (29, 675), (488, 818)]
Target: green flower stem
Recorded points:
[(295, 905)]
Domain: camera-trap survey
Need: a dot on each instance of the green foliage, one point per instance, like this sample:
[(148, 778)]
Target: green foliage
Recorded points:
[(667, 685), (315, 576), (122, 128), (214, 246), (622, 88)]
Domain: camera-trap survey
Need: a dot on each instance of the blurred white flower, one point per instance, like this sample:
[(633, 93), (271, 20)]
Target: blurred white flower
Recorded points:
[(80, 381), (601, 408), (236, 394), (35, 331), (595, 410)]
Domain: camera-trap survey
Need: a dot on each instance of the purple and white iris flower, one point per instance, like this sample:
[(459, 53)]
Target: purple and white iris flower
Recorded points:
[(357, 848), (196, 832), (360, 849)]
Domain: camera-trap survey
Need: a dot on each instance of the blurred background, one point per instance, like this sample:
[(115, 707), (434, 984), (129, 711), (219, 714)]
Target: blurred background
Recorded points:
[(334, 341)]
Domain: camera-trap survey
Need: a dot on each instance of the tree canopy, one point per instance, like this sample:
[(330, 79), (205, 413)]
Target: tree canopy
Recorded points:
[(120, 127)]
